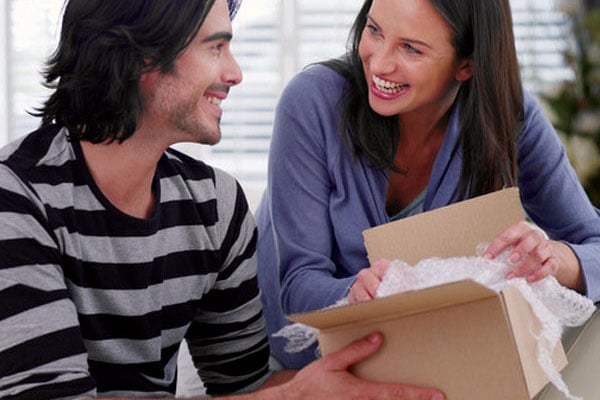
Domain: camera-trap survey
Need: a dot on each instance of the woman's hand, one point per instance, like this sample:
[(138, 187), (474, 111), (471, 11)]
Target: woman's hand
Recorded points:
[(367, 282), (535, 256)]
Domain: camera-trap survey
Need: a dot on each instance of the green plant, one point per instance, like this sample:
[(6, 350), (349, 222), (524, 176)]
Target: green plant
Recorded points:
[(574, 105)]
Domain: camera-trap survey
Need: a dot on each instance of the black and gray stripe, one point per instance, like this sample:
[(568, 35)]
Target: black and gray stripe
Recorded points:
[(93, 300)]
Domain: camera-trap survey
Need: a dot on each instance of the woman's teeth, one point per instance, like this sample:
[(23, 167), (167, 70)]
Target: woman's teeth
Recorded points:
[(389, 87)]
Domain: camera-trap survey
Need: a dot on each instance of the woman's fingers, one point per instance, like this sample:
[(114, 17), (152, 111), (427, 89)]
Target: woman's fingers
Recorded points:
[(368, 281)]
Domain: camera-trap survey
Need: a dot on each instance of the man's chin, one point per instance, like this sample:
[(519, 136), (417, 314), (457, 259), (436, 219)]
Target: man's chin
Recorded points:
[(209, 138), (213, 142)]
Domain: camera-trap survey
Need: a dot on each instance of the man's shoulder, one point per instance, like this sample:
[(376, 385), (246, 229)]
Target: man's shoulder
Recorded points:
[(218, 190), (190, 168), (177, 162), (35, 148), (38, 157)]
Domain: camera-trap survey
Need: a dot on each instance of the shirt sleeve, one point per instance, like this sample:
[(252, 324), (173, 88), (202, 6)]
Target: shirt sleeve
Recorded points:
[(227, 338), (300, 193), (553, 196), (42, 355)]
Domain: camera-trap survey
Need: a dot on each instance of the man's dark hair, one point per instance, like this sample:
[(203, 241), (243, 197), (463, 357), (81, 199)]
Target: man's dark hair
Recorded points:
[(105, 46)]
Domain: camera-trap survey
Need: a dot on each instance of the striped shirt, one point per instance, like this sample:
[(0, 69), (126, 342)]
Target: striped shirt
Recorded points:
[(94, 302)]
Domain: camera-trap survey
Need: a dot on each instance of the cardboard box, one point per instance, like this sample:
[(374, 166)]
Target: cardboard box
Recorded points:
[(463, 338)]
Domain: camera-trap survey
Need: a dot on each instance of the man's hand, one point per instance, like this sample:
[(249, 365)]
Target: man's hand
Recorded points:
[(328, 378)]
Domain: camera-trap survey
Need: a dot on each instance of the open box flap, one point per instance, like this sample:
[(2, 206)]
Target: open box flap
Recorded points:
[(483, 343), (466, 351), (397, 305), (526, 329), (451, 231)]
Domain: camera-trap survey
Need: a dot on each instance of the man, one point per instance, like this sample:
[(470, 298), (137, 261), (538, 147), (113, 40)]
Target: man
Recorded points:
[(114, 247)]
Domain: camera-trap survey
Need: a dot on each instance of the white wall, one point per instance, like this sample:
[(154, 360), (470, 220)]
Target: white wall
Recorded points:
[(4, 114)]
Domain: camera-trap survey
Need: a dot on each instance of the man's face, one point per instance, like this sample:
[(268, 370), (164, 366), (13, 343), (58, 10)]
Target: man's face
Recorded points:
[(187, 101)]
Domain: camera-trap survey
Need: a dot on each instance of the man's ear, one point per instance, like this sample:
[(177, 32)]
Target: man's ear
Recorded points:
[(147, 79), (465, 70), (149, 72)]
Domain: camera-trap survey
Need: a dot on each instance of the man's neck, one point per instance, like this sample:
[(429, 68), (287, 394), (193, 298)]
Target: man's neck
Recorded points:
[(124, 173)]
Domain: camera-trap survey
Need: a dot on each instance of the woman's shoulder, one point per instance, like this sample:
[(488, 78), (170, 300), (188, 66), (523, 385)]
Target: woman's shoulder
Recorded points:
[(534, 113), (536, 129), (317, 79), (530, 101)]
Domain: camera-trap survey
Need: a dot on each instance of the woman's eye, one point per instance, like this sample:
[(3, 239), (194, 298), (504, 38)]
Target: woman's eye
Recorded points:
[(373, 29), (409, 48)]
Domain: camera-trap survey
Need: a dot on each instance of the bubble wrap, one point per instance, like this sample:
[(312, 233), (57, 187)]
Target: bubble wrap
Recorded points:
[(554, 305)]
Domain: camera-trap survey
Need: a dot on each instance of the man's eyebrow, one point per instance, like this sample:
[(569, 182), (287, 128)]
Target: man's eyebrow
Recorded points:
[(218, 36)]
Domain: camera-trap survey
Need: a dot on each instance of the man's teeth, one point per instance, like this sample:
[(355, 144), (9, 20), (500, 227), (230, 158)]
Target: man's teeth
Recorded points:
[(389, 87), (214, 100)]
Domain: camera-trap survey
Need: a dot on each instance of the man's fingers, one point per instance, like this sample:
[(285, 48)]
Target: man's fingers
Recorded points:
[(407, 392), (354, 352)]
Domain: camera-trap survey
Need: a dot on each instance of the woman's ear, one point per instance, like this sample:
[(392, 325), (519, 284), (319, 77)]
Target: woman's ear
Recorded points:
[(465, 70)]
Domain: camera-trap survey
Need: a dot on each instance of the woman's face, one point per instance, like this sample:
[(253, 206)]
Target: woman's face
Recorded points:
[(409, 61)]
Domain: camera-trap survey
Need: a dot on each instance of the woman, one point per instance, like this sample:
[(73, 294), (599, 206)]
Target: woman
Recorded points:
[(426, 109)]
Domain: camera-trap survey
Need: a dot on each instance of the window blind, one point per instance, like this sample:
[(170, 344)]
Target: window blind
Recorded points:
[(273, 40), (32, 34)]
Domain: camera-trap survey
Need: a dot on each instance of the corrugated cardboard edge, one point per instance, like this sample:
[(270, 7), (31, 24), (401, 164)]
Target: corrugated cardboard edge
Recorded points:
[(397, 305), (414, 238), (465, 304), (427, 235), (524, 326), (525, 332)]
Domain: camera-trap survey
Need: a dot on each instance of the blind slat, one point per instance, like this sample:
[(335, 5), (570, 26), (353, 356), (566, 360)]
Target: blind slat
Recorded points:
[(320, 32)]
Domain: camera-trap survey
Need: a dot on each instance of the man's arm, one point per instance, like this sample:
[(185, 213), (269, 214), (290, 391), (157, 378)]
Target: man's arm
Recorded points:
[(279, 378), (41, 350), (329, 379), (227, 339)]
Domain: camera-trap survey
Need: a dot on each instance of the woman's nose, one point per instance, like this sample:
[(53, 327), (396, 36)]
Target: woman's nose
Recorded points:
[(382, 60)]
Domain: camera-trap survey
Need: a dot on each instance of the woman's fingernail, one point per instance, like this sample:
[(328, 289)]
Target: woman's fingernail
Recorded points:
[(373, 338)]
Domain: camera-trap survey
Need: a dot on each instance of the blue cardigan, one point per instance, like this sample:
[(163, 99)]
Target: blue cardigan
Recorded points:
[(319, 200)]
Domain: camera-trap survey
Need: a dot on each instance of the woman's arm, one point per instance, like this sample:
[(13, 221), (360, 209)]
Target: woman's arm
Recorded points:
[(556, 202)]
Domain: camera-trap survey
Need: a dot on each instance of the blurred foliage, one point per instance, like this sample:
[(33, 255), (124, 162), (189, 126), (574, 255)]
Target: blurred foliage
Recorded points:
[(574, 105)]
